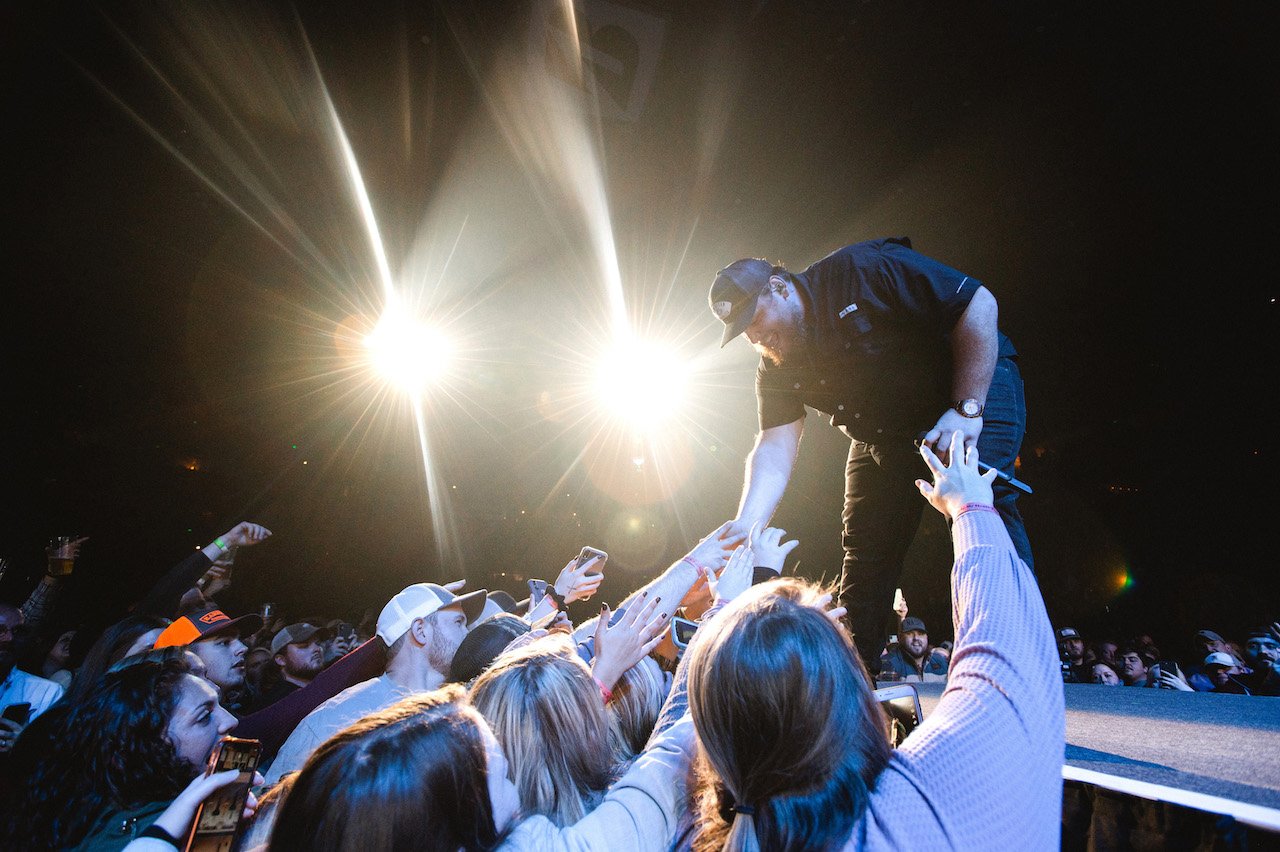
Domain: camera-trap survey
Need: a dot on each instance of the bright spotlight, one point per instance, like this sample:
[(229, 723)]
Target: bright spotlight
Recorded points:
[(407, 353), (642, 384)]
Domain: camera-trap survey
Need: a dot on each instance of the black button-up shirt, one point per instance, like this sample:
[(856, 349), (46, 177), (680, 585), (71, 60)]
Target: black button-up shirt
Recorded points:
[(879, 362)]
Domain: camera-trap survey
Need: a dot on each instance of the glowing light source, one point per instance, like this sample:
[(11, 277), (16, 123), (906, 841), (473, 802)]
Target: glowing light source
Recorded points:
[(407, 353), (641, 383)]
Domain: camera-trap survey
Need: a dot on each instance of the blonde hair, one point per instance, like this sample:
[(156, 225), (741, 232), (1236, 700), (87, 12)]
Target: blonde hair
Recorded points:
[(545, 709), (637, 700)]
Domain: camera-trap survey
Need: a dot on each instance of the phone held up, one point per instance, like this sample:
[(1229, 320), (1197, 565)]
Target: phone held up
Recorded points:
[(589, 553), (901, 705), (218, 821)]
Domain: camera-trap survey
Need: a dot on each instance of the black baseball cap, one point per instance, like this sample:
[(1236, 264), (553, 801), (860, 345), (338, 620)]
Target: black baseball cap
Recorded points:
[(736, 291)]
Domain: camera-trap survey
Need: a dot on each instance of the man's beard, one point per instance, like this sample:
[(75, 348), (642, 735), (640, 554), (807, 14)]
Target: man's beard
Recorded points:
[(799, 343), (440, 654)]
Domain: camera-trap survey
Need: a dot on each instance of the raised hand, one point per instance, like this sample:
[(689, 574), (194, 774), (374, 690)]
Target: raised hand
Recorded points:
[(769, 549), (958, 482), (713, 551), (736, 576), (245, 534), (622, 645), (577, 582)]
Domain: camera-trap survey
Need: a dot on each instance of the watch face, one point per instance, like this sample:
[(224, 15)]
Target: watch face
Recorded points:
[(970, 408)]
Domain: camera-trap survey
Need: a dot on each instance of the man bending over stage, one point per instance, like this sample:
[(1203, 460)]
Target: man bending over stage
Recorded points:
[(890, 344)]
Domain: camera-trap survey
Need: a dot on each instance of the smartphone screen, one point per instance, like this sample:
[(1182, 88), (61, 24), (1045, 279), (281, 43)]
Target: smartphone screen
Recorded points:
[(217, 821), (682, 630), (901, 705)]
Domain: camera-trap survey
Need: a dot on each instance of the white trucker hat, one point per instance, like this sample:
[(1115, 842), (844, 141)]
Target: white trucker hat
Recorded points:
[(419, 601)]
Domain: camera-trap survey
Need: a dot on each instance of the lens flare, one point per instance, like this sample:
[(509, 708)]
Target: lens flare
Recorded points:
[(643, 384), (410, 355)]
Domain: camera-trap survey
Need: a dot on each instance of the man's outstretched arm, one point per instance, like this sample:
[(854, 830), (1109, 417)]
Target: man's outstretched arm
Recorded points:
[(769, 467), (974, 348)]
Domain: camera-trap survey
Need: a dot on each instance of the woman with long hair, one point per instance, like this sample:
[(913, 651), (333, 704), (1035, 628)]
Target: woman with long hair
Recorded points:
[(547, 713), (785, 713), (128, 636), (118, 758), (428, 773), (419, 775), (634, 707), (794, 752)]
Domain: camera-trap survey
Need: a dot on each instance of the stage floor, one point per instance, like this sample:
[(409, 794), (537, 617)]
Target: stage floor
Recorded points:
[(1226, 746)]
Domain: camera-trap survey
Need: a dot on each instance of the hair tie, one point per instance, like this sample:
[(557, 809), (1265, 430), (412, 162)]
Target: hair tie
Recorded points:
[(745, 810)]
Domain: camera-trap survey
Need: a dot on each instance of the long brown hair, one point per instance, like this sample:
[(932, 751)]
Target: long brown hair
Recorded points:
[(546, 711), (791, 735), (410, 777)]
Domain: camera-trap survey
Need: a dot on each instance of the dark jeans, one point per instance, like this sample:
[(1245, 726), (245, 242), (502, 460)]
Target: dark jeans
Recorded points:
[(882, 509)]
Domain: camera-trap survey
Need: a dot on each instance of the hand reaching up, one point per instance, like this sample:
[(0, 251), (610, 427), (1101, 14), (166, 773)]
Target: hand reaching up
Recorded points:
[(958, 482), (736, 576), (622, 645)]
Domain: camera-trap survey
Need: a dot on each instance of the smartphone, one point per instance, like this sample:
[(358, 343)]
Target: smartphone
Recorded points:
[(588, 553), (901, 706), (1169, 667), (682, 630), (20, 713), (217, 823)]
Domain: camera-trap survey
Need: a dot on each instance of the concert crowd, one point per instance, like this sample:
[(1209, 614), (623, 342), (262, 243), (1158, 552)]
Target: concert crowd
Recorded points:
[(723, 704)]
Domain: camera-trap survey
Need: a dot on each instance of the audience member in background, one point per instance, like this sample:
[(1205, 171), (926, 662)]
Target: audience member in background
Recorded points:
[(1148, 645), (260, 674), (342, 639), (1107, 651), (547, 709), (911, 658), (11, 619), (422, 627), (1225, 673), (18, 687), (216, 638), (128, 636), (1203, 643), (1262, 654), (51, 657), (298, 653), (119, 758), (1135, 663), (794, 749), (1103, 675), (1071, 652)]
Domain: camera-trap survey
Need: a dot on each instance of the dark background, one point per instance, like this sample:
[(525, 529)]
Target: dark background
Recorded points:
[(183, 253)]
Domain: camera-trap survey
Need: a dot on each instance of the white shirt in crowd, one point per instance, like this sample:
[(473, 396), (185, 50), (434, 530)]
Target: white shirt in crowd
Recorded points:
[(22, 688), (350, 705)]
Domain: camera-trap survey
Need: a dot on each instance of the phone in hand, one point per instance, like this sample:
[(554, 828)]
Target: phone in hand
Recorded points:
[(682, 630), (218, 820), (589, 553), (901, 706), (20, 713), (1169, 667)]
